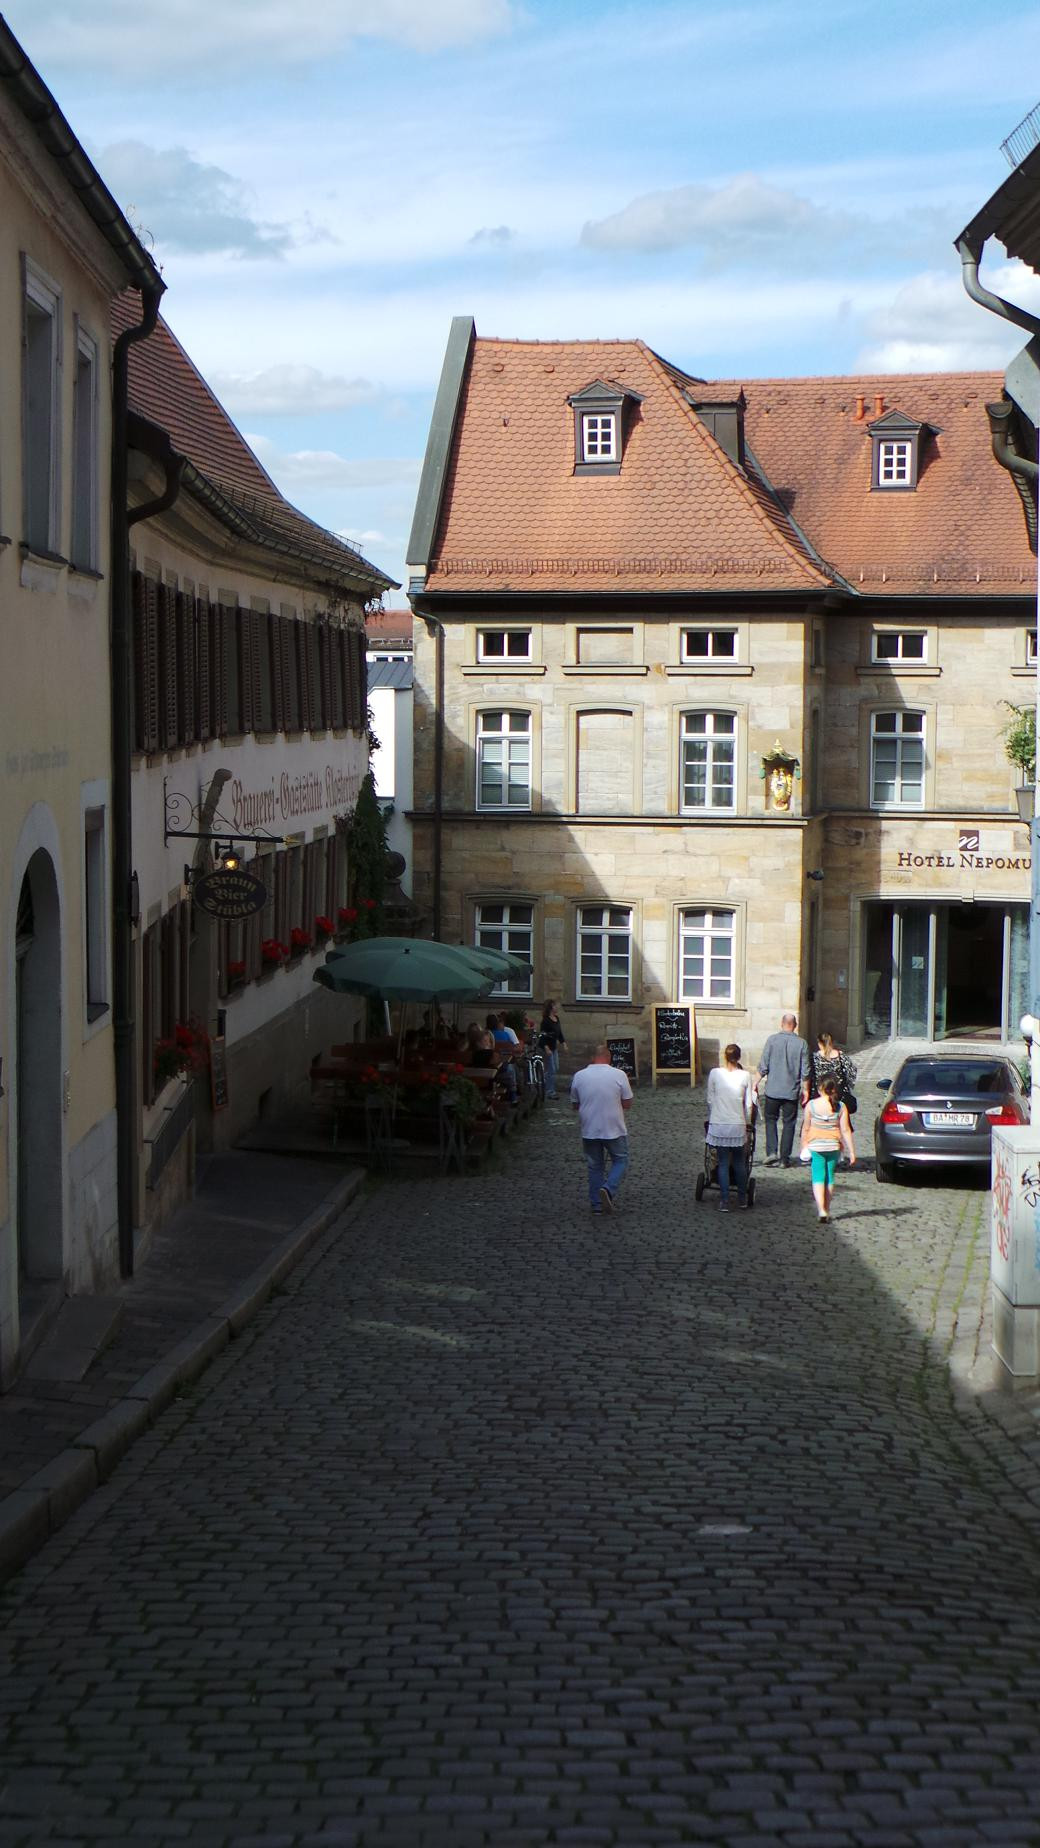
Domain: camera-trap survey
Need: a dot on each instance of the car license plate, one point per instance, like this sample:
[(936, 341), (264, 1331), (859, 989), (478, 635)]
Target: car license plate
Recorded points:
[(948, 1119)]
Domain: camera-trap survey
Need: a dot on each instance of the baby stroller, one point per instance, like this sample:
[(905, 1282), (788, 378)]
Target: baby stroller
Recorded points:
[(710, 1175)]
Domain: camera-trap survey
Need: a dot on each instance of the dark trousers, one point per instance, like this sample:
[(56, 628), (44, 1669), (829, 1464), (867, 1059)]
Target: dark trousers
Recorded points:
[(786, 1108)]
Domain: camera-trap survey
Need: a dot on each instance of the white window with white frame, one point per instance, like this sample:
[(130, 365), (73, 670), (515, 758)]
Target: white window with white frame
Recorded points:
[(41, 414), (709, 645), (503, 646), (599, 436), (604, 953), (84, 543), (708, 766), (897, 759), (895, 463), (707, 956), (95, 912), (1030, 647), (504, 760), (509, 927), (900, 645)]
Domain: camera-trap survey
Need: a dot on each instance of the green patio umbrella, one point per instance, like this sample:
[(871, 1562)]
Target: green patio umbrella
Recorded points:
[(404, 969), (496, 963)]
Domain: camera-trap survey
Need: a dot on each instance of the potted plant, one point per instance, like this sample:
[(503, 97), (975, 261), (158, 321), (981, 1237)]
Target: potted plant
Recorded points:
[(1020, 739), (299, 940), (272, 953), (322, 927)]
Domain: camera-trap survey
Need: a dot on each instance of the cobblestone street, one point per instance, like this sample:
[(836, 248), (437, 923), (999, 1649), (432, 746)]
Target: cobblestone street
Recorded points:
[(505, 1524)]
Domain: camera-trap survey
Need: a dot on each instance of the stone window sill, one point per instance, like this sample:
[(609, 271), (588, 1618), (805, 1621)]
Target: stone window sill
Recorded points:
[(632, 669), (898, 670), (715, 669), (514, 670)]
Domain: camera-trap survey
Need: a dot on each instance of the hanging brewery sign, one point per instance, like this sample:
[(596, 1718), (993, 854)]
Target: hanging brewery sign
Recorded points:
[(229, 895)]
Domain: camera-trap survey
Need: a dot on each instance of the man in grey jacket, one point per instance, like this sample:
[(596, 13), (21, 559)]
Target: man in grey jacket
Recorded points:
[(784, 1071)]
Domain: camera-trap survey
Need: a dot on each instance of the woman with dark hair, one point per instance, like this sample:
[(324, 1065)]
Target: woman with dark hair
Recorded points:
[(826, 1130), (730, 1100), (830, 1062), (550, 1039)]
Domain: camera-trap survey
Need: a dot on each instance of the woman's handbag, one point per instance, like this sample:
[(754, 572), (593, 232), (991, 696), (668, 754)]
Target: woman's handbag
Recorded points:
[(851, 1102)]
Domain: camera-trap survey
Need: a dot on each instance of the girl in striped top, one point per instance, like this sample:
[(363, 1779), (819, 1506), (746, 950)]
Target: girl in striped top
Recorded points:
[(826, 1130)]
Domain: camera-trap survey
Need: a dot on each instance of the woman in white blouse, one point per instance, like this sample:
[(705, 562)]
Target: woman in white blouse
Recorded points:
[(730, 1101)]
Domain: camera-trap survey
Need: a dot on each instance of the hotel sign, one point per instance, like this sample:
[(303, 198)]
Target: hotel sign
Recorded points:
[(969, 858)]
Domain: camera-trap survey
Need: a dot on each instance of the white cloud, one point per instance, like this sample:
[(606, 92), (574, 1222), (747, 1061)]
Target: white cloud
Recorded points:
[(931, 325), (297, 390), (317, 470), (190, 35), (493, 235), (723, 219), (183, 204)]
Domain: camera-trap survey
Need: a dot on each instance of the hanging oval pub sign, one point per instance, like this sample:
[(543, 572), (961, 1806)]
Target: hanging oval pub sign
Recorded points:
[(229, 895)]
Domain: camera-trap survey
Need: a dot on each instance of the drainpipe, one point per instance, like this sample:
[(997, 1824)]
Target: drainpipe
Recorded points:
[(123, 904), (1021, 468), (436, 630)]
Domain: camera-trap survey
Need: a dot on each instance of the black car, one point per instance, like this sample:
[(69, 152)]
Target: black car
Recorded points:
[(941, 1110)]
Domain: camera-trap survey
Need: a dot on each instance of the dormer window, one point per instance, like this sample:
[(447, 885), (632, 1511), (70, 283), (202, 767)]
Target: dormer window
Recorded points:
[(600, 413), (895, 442)]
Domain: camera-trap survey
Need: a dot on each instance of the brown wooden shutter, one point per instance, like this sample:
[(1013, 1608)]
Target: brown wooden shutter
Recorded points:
[(187, 718), (146, 662), (203, 673), (166, 627), (338, 673), (327, 701), (314, 677), (290, 677), (281, 897), (350, 680), (274, 649), (303, 672), (362, 675), (218, 676), (260, 671), (243, 625)]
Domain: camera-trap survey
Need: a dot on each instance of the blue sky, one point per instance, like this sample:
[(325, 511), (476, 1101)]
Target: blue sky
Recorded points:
[(753, 188)]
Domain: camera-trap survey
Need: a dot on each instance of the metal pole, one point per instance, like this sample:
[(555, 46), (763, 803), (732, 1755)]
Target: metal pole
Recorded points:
[(1034, 908)]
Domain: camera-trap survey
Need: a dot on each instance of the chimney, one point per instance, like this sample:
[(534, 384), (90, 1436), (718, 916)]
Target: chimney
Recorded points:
[(860, 408), (879, 404)]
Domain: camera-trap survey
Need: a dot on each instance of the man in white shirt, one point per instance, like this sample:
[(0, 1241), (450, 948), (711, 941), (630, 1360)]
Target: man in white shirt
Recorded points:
[(601, 1094)]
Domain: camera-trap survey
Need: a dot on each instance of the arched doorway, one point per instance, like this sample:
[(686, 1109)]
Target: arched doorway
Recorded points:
[(37, 1098)]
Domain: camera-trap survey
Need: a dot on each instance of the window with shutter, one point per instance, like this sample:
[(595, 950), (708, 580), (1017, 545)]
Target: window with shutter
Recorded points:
[(244, 658), (327, 700), (203, 673), (261, 671), (302, 632), (187, 718), (336, 639), (290, 675), (232, 707), (167, 633), (274, 653), (146, 663), (350, 680)]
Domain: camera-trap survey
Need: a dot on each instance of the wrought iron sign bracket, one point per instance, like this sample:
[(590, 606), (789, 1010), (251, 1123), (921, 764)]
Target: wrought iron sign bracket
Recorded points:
[(177, 807)]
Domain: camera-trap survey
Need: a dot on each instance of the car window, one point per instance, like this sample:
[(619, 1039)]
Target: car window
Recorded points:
[(929, 1078)]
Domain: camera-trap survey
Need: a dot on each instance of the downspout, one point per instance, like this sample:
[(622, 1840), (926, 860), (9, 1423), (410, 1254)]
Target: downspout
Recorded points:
[(436, 630), (123, 907), (970, 260)]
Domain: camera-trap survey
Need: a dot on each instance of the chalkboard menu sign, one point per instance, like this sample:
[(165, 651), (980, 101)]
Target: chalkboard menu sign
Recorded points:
[(623, 1057), (218, 1073), (675, 1041)]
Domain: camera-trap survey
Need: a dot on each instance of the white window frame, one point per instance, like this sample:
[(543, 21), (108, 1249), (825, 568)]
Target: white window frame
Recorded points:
[(504, 736), (1031, 646), (41, 425), (514, 934), (715, 926), (899, 637), (687, 656), (710, 739), (509, 654), (895, 462), (903, 736), (599, 436), (83, 537), (596, 926)]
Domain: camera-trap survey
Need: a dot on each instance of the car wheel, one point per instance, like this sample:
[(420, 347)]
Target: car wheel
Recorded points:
[(884, 1171)]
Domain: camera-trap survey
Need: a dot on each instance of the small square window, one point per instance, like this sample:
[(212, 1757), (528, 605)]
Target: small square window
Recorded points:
[(599, 436), (504, 644), (895, 464), (709, 645), (1030, 647)]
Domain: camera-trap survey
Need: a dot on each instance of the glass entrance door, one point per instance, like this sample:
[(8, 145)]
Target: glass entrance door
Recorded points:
[(913, 931), (945, 971)]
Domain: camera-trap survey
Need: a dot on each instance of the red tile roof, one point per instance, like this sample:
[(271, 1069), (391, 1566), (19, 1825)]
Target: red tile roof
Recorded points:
[(168, 390), (681, 516)]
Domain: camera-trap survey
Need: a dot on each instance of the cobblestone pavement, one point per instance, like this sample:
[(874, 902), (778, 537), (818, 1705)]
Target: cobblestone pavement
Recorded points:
[(508, 1525)]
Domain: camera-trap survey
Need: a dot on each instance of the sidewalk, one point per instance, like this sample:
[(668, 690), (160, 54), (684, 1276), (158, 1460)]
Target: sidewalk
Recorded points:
[(109, 1365)]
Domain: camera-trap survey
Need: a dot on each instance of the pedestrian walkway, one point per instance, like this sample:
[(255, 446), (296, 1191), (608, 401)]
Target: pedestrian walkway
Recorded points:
[(72, 1414), (504, 1524)]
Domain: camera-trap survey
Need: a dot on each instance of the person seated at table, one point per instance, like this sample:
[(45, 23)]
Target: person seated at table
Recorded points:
[(411, 1049), (480, 1047), (506, 1044)]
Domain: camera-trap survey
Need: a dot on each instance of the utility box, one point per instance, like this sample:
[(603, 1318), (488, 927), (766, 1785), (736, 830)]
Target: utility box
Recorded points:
[(1015, 1248)]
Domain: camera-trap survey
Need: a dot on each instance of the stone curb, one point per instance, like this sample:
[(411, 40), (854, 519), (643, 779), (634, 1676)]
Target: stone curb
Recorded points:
[(30, 1514)]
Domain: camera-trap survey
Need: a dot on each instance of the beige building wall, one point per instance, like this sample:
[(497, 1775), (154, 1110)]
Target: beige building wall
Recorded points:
[(57, 1124)]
